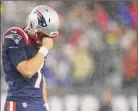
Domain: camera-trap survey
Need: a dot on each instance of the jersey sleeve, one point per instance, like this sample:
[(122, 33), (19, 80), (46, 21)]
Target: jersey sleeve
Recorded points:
[(14, 45)]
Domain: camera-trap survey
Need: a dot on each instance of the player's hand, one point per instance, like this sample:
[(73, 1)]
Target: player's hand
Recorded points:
[(47, 42)]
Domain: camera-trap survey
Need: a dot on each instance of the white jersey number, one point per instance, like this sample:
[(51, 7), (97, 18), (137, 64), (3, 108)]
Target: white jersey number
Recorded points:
[(39, 78)]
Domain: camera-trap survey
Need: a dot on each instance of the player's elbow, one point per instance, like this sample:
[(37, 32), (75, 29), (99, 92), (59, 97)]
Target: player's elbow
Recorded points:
[(24, 69)]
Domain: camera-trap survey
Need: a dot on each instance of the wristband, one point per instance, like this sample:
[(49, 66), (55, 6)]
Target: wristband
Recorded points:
[(47, 106), (43, 51)]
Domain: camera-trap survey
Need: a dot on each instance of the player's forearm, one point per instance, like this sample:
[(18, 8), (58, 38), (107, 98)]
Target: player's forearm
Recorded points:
[(30, 67), (34, 64)]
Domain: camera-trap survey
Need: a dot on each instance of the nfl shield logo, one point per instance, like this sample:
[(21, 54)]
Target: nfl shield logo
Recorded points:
[(24, 105)]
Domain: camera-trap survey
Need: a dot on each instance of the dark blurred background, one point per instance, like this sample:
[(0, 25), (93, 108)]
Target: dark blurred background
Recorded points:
[(93, 65)]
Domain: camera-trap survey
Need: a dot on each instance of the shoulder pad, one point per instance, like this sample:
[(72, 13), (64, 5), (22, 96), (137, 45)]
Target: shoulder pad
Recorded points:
[(20, 32)]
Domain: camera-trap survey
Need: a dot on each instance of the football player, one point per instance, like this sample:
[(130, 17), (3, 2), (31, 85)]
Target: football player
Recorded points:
[(23, 54)]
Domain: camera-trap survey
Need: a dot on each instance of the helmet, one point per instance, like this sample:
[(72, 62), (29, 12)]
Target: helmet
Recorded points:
[(43, 19)]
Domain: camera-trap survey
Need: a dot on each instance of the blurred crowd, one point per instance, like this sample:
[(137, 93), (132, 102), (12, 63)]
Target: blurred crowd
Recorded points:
[(96, 48)]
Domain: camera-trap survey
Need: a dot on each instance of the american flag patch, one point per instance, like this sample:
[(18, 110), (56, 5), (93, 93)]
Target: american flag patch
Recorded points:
[(9, 36)]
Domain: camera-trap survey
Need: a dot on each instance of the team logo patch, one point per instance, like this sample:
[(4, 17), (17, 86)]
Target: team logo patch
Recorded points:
[(14, 37)]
